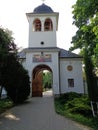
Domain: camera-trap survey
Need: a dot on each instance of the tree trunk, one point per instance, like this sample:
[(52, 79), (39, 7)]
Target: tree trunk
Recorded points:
[(91, 82), (0, 91)]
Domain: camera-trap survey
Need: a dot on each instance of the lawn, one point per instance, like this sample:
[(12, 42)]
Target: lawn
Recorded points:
[(77, 107)]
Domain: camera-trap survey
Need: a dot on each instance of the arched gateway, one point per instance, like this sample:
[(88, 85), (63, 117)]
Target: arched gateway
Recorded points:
[(37, 79)]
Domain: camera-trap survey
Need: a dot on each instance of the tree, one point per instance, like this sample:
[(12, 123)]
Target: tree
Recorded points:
[(13, 77), (85, 15), (96, 55), (47, 79), (7, 46)]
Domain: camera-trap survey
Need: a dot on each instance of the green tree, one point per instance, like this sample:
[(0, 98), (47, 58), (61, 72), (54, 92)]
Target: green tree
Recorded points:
[(85, 16), (96, 55), (7, 47), (47, 79), (13, 77)]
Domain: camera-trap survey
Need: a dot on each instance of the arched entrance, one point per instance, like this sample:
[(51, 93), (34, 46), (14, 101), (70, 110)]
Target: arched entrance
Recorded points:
[(38, 82)]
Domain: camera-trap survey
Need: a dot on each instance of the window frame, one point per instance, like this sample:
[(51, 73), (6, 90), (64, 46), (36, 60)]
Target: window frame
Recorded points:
[(71, 83)]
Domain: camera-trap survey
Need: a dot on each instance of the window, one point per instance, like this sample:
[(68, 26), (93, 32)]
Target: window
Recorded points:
[(70, 82), (37, 25), (48, 26)]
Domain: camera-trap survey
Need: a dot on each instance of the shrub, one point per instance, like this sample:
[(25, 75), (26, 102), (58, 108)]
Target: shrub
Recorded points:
[(5, 104), (77, 107), (68, 97), (80, 105)]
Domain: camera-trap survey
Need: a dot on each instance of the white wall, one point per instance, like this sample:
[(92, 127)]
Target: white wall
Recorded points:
[(75, 74), (48, 37), (30, 65)]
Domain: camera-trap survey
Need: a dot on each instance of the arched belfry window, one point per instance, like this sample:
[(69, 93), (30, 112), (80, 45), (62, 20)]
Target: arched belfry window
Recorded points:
[(48, 25), (37, 25)]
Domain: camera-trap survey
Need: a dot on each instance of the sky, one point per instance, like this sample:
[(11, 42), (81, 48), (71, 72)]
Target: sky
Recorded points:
[(13, 17)]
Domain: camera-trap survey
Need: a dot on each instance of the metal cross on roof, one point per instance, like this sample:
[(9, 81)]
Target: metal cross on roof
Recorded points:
[(43, 1)]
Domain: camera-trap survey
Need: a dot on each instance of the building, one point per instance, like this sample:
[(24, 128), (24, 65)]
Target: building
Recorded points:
[(43, 54)]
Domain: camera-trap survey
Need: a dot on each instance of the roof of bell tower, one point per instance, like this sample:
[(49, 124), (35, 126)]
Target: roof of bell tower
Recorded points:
[(43, 9)]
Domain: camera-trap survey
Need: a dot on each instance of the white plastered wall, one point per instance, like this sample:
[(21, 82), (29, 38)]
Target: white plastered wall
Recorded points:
[(75, 74), (29, 65), (48, 37)]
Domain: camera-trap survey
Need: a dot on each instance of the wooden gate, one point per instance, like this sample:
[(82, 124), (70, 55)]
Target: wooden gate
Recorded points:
[(37, 87)]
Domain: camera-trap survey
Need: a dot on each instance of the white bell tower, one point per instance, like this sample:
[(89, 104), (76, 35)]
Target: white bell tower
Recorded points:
[(43, 24)]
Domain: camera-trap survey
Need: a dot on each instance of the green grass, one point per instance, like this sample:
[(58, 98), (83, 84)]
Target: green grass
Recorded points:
[(87, 120), (5, 104)]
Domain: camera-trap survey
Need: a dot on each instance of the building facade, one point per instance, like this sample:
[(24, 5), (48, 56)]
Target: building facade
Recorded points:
[(43, 54)]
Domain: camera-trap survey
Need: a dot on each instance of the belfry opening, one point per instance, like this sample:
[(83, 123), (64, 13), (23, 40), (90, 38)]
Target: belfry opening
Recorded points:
[(41, 80)]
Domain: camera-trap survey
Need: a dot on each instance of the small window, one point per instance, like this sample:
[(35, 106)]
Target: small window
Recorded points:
[(69, 68), (48, 26), (37, 25), (70, 82)]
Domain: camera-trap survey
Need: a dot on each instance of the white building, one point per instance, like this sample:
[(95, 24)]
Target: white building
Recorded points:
[(43, 54)]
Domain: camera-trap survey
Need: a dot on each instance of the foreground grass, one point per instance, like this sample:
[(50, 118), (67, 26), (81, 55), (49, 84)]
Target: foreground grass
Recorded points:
[(5, 104), (85, 120)]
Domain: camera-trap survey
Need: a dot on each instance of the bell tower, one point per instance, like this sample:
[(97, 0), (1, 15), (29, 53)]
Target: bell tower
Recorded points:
[(43, 24)]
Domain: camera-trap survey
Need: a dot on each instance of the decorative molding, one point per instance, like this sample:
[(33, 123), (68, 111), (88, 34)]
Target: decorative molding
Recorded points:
[(69, 68)]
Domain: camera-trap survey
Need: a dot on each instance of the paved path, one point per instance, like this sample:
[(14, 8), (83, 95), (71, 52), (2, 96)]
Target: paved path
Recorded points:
[(36, 114)]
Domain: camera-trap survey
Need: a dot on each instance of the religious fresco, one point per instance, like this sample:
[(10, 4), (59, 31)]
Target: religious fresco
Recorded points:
[(42, 58)]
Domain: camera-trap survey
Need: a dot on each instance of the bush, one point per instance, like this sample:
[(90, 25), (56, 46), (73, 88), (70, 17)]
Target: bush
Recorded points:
[(75, 103), (68, 97), (79, 105), (5, 104)]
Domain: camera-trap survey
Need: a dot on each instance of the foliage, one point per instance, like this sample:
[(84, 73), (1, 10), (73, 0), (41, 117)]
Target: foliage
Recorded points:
[(76, 107), (15, 80), (96, 55), (47, 80), (13, 76), (85, 16), (5, 104), (7, 44), (7, 47), (68, 97), (79, 105)]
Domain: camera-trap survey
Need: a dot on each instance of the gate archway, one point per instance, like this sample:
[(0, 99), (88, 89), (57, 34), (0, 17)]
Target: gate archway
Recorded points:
[(37, 80)]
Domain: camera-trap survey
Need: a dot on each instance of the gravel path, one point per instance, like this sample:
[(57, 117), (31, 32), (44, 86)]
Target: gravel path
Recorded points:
[(37, 114)]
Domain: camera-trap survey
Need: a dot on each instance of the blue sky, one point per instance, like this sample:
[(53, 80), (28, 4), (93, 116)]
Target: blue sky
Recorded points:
[(12, 16)]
